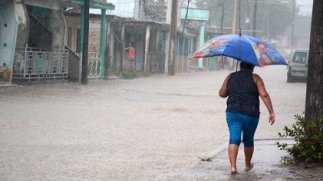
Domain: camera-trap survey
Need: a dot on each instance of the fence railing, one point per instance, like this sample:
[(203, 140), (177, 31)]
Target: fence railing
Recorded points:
[(209, 64), (35, 64), (93, 65)]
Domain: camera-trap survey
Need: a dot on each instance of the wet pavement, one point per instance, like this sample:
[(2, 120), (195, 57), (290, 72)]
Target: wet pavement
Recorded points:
[(267, 166), (151, 128)]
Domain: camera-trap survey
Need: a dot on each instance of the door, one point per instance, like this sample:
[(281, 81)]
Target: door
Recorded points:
[(139, 45)]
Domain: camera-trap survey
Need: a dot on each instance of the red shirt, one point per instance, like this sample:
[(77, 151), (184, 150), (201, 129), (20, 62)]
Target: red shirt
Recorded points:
[(131, 52)]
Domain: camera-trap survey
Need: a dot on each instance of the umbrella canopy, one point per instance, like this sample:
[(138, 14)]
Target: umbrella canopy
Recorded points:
[(243, 48)]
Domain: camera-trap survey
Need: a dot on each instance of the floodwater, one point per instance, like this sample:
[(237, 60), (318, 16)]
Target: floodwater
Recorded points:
[(151, 128)]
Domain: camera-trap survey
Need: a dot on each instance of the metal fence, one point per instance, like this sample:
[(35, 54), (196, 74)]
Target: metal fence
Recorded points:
[(155, 10), (35, 64), (151, 10), (209, 64), (93, 65)]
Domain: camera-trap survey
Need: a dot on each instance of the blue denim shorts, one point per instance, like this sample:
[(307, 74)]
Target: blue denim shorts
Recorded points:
[(241, 124)]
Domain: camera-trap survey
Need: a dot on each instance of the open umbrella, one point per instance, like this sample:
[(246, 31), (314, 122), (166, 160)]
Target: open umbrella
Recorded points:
[(243, 48)]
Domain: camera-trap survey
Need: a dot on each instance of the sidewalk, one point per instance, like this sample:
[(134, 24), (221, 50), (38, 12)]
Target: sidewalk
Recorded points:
[(267, 166)]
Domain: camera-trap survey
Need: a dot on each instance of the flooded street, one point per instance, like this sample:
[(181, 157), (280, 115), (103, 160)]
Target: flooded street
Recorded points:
[(150, 128)]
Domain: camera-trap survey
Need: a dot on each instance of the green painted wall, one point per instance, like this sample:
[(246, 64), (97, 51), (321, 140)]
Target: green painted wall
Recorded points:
[(195, 14), (8, 33)]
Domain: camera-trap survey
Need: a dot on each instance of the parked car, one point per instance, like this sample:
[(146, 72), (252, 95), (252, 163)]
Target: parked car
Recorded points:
[(298, 66)]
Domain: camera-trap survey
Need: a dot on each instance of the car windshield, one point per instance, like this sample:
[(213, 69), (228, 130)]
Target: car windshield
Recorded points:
[(299, 57)]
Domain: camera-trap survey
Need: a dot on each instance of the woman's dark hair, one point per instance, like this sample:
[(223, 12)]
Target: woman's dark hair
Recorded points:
[(246, 66)]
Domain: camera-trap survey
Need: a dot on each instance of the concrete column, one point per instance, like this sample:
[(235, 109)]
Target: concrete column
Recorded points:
[(8, 36), (122, 47), (167, 51), (102, 43), (85, 42), (168, 21), (202, 32), (111, 45), (22, 14), (146, 68), (81, 41)]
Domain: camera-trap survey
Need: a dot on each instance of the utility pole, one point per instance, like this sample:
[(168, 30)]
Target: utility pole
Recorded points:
[(173, 32), (314, 89), (222, 15), (255, 7), (267, 23), (293, 25), (235, 18), (236, 14), (85, 42)]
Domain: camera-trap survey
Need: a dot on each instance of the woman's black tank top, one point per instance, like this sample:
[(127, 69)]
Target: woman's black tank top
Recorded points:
[(243, 96)]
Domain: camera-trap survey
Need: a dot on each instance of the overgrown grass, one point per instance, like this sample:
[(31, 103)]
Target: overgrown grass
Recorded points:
[(112, 70), (130, 74), (126, 74)]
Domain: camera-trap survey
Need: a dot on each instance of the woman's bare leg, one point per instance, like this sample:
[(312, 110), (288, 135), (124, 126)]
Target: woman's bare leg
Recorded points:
[(248, 152), (233, 154)]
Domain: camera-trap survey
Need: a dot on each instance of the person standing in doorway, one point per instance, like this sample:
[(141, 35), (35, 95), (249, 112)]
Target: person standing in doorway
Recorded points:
[(243, 89), (131, 55)]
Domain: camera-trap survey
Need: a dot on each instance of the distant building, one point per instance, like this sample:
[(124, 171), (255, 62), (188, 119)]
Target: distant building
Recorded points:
[(302, 32), (151, 10), (32, 39)]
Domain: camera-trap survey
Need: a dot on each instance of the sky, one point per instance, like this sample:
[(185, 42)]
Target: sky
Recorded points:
[(305, 6), (124, 8)]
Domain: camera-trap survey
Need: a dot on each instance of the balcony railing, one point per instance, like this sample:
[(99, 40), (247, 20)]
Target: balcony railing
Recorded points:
[(35, 64)]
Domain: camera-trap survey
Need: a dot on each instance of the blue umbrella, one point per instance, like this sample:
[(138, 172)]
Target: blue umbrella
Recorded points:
[(243, 48)]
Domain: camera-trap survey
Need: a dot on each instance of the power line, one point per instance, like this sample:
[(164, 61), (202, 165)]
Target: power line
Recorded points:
[(187, 7)]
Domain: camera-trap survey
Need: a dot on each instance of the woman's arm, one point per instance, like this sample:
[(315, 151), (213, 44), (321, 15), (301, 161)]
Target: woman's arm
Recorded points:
[(224, 90), (265, 97)]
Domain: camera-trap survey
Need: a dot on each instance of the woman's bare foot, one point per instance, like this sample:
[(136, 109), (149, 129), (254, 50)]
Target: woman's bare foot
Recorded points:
[(248, 167), (233, 171)]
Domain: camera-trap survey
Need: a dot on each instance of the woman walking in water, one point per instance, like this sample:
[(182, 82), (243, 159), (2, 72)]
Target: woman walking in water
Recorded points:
[(243, 89)]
